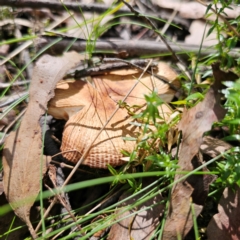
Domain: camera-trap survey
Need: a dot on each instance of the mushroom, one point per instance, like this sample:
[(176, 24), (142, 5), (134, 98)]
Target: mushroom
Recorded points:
[(86, 106)]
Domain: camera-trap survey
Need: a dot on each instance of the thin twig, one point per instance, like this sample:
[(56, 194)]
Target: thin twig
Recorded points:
[(133, 48), (17, 83), (107, 66), (62, 201), (168, 23), (161, 78), (53, 202), (25, 56), (12, 98), (64, 165)]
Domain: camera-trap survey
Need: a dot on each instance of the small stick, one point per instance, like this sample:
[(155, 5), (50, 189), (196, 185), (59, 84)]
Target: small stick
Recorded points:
[(108, 65), (161, 78), (133, 48)]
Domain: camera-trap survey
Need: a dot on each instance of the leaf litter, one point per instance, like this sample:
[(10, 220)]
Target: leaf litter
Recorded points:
[(22, 174), (23, 160), (193, 190), (139, 222), (209, 143), (225, 224)]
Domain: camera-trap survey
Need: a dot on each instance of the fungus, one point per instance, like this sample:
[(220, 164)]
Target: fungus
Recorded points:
[(87, 106)]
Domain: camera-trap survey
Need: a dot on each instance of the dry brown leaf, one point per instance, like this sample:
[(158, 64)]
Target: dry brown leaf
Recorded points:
[(225, 224), (140, 225), (194, 189), (195, 10), (199, 34), (88, 106), (23, 162), (213, 146)]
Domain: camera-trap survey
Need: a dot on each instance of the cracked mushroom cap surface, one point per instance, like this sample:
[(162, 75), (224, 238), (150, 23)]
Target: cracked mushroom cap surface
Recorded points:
[(87, 106)]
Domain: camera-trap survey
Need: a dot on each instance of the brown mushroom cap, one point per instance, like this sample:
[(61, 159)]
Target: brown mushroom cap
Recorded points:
[(87, 107)]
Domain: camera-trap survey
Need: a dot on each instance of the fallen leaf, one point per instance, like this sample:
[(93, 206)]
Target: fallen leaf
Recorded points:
[(194, 123), (198, 34), (225, 224), (223, 76), (138, 225), (213, 146), (23, 160), (196, 10)]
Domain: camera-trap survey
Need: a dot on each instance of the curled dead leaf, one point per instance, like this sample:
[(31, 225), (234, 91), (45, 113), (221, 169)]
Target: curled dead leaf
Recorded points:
[(23, 160), (194, 189), (139, 222), (225, 224), (213, 146)]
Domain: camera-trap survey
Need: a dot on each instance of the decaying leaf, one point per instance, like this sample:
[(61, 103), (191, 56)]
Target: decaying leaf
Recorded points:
[(194, 189), (23, 160), (197, 30), (225, 224), (213, 146), (195, 10), (88, 106), (140, 225)]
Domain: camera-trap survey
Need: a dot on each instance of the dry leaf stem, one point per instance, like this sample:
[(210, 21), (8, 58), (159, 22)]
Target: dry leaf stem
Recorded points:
[(108, 65), (161, 78), (133, 48)]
